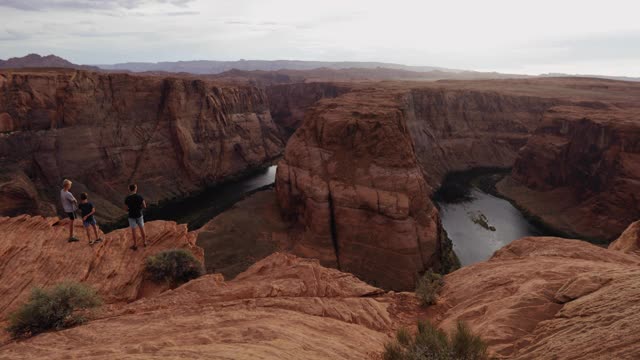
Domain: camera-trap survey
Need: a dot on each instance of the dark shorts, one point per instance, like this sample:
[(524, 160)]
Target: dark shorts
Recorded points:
[(71, 215), (90, 221)]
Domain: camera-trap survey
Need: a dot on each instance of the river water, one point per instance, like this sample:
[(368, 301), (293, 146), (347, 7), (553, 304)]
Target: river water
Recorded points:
[(198, 210), (482, 223), (477, 222)]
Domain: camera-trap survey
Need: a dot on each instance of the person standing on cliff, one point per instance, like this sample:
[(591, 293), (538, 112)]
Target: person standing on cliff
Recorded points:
[(69, 205), (88, 210), (134, 205)]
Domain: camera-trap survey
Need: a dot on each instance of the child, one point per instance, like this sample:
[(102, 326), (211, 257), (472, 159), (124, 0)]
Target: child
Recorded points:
[(70, 205), (87, 217)]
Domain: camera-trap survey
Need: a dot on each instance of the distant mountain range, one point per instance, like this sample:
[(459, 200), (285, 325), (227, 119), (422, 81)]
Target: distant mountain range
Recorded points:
[(294, 70), (216, 67), (37, 61), (355, 74)]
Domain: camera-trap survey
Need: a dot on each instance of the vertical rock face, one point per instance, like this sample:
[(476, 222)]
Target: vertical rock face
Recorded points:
[(580, 172), (351, 180), (357, 177), (172, 136), (460, 129), (289, 102)]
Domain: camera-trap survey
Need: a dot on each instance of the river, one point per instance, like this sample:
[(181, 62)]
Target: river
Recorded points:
[(477, 222), (197, 210)]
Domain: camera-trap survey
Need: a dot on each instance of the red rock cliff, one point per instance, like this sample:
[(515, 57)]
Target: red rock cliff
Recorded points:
[(351, 180), (580, 172), (35, 252), (172, 136), (550, 298), (289, 102), (358, 175), (457, 129)]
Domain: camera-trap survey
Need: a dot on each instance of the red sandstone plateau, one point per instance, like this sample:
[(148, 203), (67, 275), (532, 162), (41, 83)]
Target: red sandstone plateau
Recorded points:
[(551, 298), (282, 307), (35, 252), (537, 298)]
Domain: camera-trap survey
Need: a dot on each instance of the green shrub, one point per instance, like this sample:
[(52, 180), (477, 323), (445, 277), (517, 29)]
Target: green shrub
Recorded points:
[(53, 309), (175, 267), (466, 345), (428, 287), (431, 343)]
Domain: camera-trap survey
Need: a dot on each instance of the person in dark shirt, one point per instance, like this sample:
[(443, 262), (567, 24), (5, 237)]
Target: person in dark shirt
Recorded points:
[(88, 210), (134, 205)]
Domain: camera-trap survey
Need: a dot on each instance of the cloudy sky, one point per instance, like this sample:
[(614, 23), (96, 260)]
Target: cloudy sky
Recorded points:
[(571, 36)]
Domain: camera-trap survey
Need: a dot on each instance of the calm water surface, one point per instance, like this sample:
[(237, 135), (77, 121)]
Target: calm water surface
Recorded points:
[(198, 210), (469, 225)]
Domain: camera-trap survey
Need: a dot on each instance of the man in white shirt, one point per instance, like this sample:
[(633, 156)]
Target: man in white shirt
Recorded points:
[(70, 205)]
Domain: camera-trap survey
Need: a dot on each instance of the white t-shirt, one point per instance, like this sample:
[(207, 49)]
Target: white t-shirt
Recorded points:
[(69, 203)]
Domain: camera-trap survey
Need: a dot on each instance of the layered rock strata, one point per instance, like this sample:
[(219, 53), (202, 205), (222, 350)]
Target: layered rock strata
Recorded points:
[(543, 298), (34, 252), (580, 172), (173, 136), (357, 176), (282, 307)]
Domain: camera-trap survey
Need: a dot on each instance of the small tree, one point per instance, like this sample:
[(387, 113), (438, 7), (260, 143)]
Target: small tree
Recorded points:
[(431, 343), (175, 267), (428, 287), (53, 309)]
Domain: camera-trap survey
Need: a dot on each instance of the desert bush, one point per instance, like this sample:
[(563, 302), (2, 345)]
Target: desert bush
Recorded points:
[(431, 343), (428, 287), (59, 307), (175, 267)]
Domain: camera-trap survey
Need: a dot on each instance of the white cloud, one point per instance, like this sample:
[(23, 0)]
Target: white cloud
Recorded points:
[(569, 35)]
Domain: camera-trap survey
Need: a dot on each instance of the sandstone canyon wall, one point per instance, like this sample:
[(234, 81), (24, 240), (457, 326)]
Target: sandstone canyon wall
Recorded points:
[(358, 175), (458, 129), (550, 298), (351, 180), (580, 172), (289, 102), (173, 136)]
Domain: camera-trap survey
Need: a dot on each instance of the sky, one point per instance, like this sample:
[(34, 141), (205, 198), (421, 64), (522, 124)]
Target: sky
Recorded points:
[(527, 37)]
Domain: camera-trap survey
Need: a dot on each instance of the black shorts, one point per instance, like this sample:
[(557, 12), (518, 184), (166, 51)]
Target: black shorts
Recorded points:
[(71, 215)]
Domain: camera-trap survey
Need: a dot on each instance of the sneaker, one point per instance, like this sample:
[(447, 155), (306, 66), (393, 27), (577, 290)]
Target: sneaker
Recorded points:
[(73, 239), (98, 240), (91, 242)]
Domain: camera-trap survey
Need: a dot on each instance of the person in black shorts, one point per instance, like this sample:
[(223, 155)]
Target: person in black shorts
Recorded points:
[(134, 205), (88, 210), (69, 205)]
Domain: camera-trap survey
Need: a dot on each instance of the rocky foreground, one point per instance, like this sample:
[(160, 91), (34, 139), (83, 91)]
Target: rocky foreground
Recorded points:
[(537, 298), (282, 307), (551, 298), (34, 252)]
